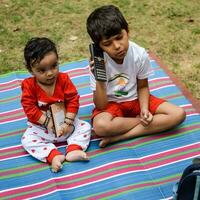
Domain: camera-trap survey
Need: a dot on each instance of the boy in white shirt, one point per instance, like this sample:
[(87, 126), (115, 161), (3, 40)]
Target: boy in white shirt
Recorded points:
[(124, 107)]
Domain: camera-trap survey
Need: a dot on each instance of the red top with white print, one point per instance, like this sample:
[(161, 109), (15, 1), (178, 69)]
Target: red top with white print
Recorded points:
[(35, 100)]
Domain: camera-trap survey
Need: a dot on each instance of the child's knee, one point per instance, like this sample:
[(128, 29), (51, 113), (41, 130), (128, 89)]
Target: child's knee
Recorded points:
[(87, 131), (100, 127), (178, 116), (24, 141), (87, 126), (181, 114)]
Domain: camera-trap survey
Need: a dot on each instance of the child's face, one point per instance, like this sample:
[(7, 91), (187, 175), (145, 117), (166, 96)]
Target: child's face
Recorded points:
[(116, 46), (46, 70)]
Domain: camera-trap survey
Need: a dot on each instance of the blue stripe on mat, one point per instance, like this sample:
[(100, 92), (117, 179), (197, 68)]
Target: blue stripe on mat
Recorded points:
[(133, 169)]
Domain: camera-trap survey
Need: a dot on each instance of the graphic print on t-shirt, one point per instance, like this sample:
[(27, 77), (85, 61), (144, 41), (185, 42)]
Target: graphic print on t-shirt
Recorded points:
[(119, 83)]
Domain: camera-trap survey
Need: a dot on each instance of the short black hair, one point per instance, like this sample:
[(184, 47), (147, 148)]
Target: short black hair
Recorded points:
[(105, 22), (35, 50)]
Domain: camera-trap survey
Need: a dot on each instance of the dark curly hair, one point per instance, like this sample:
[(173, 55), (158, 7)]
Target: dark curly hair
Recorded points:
[(35, 50), (105, 22)]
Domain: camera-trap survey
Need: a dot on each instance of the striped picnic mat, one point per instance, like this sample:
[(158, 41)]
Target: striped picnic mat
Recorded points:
[(138, 169)]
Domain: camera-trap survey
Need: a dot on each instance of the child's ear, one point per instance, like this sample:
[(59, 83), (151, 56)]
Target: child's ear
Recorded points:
[(30, 71)]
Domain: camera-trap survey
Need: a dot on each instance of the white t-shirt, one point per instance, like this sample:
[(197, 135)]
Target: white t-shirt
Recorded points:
[(122, 78)]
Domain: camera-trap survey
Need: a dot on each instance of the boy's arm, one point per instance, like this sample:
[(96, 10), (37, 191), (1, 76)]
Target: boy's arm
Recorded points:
[(100, 95), (143, 93), (143, 97), (99, 90)]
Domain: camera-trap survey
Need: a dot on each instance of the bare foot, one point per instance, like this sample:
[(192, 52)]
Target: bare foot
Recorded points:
[(76, 155), (104, 142), (112, 139), (57, 163)]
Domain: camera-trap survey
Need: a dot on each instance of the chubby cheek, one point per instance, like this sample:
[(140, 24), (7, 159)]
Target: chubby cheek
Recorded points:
[(56, 71), (108, 50)]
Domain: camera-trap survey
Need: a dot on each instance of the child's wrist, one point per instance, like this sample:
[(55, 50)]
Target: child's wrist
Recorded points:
[(70, 125), (101, 83), (46, 121), (69, 120)]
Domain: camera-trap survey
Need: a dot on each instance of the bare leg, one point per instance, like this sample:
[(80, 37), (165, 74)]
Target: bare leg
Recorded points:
[(76, 155), (57, 162), (105, 124), (166, 117)]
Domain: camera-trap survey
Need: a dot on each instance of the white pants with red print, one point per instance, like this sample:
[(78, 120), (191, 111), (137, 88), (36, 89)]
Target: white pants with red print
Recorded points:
[(39, 142)]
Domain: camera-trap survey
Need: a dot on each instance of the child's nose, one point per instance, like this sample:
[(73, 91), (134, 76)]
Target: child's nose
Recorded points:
[(49, 72), (116, 44)]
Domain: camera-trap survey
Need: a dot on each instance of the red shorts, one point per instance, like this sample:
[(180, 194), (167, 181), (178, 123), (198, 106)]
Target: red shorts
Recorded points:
[(129, 108)]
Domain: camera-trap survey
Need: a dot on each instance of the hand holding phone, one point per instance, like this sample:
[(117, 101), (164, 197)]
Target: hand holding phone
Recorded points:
[(99, 65)]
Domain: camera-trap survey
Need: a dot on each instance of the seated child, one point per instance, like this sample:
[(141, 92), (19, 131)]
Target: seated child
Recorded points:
[(124, 107), (48, 86)]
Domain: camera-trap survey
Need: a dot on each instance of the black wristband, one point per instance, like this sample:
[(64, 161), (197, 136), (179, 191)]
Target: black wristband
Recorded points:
[(46, 122), (73, 128), (69, 118)]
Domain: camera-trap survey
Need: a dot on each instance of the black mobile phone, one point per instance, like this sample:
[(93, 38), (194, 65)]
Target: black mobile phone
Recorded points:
[(99, 65)]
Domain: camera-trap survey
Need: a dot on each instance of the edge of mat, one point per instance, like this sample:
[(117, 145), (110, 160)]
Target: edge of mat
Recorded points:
[(195, 102)]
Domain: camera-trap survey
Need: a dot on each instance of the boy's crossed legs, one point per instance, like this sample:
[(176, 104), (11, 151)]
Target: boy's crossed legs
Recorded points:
[(114, 129)]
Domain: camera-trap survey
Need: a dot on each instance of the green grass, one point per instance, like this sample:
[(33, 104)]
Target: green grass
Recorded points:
[(171, 29)]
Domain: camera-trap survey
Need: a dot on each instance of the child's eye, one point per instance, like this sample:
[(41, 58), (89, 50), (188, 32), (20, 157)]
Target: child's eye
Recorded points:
[(119, 37), (55, 65), (41, 71), (107, 44)]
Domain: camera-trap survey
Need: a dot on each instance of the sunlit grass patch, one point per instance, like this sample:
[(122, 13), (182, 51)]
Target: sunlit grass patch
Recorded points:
[(168, 28)]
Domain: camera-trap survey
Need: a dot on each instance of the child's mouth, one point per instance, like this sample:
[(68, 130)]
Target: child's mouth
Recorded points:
[(51, 79), (121, 53)]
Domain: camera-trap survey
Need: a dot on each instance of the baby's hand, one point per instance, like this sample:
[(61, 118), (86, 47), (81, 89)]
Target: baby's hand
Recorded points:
[(65, 129), (50, 126), (146, 117)]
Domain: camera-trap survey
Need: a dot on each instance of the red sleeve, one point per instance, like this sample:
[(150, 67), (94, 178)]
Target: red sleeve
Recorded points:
[(29, 100), (71, 96)]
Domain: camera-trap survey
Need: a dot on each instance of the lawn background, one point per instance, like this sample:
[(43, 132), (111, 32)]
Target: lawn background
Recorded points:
[(170, 29)]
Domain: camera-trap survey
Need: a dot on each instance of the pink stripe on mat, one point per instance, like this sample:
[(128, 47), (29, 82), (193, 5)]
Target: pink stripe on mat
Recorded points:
[(101, 173), (11, 151)]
